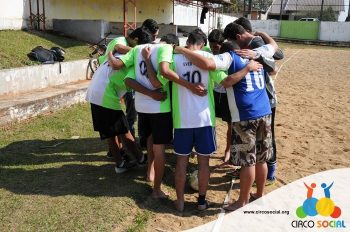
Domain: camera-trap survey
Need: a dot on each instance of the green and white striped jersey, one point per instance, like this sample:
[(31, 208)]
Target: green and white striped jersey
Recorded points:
[(190, 110), (159, 53), (107, 86)]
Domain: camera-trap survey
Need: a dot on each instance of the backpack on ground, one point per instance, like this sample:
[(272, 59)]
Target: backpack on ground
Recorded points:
[(42, 55), (46, 56), (58, 53)]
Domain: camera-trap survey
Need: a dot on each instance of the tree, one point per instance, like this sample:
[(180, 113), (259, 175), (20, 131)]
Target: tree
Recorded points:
[(238, 5), (329, 15)]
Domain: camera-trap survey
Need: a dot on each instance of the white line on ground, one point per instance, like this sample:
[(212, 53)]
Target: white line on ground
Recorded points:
[(284, 63), (217, 225)]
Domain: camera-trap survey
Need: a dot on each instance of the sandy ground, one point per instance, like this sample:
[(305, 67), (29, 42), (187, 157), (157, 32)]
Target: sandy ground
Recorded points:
[(311, 128)]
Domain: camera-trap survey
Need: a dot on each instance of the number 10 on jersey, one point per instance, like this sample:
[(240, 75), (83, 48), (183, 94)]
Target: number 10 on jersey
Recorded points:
[(195, 77)]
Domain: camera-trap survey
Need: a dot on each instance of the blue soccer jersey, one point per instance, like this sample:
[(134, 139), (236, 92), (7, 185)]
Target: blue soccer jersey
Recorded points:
[(247, 99)]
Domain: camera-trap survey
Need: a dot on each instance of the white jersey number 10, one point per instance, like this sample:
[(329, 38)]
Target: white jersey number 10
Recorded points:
[(196, 77)]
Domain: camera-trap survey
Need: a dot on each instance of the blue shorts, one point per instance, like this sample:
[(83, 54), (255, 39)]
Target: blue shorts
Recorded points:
[(202, 139)]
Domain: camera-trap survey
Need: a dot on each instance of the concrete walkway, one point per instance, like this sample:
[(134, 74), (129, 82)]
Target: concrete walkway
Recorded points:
[(27, 105)]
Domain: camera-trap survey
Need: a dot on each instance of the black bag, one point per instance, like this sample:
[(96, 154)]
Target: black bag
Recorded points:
[(58, 53), (46, 56), (42, 55)]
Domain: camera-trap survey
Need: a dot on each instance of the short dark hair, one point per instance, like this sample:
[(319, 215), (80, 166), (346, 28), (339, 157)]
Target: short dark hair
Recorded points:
[(245, 23), (228, 46), (170, 39), (232, 30), (216, 36), (196, 38), (200, 32), (143, 35), (151, 25)]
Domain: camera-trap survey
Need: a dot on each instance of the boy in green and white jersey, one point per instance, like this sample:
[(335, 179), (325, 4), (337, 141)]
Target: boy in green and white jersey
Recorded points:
[(122, 45), (104, 94), (111, 46), (152, 112), (194, 118)]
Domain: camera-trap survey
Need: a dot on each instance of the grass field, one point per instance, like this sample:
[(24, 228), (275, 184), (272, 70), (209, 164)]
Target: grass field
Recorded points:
[(15, 45), (71, 187)]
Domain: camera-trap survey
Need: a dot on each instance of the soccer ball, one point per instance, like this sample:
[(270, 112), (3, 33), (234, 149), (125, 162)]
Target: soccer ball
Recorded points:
[(193, 179)]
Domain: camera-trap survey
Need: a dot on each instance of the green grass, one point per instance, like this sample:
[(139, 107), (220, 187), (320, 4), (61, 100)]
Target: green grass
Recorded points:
[(140, 222), (15, 45), (70, 187)]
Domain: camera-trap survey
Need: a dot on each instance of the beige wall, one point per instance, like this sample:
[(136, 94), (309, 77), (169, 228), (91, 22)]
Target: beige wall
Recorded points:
[(14, 14), (109, 10)]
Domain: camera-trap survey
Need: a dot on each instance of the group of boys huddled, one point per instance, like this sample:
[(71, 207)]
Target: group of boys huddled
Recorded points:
[(177, 93)]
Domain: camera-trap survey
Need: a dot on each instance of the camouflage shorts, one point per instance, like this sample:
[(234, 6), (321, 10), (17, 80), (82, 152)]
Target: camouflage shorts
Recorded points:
[(251, 141)]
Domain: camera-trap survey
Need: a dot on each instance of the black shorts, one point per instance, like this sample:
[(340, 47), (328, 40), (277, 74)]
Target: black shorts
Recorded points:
[(222, 109), (109, 123), (159, 125)]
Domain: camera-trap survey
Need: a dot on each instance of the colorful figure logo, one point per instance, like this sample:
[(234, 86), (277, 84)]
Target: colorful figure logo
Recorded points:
[(313, 206)]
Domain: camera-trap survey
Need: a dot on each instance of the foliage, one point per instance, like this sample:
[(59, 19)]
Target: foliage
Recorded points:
[(328, 15)]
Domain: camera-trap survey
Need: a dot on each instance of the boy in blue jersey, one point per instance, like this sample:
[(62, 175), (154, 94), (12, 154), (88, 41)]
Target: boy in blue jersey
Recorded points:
[(255, 42), (250, 113)]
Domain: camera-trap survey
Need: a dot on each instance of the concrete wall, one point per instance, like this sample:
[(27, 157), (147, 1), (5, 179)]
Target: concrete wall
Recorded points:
[(335, 31), (226, 19), (19, 80), (190, 16), (166, 29), (30, 105), (86, 30), (271, 27), (13, 14)]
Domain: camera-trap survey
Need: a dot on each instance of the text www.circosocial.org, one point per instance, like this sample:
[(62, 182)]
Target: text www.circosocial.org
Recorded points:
[(286, 212)]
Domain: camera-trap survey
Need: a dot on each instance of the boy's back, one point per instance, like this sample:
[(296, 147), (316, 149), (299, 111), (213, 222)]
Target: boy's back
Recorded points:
[(145, 103), (190, 110), (248, 98)]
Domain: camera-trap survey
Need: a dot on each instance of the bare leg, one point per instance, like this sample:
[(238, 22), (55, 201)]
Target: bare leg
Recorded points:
[(118, 141), (180, 180), (150, 165), (247, 175), (159, 165), (203, 174), (114, 149), (131, 145), (260, 179)]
